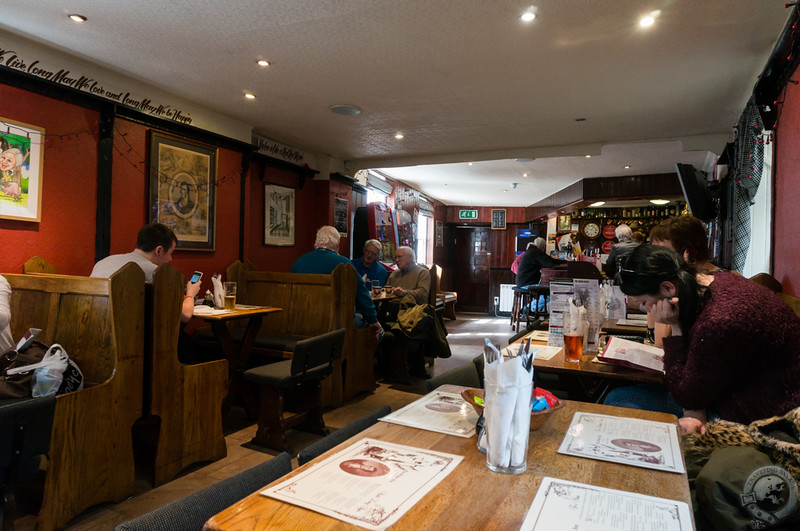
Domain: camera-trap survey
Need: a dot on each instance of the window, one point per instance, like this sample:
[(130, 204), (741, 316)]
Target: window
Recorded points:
[(374, 195), (424, 226)]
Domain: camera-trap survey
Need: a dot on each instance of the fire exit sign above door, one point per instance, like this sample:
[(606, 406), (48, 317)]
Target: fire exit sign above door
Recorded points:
[(467, 214)]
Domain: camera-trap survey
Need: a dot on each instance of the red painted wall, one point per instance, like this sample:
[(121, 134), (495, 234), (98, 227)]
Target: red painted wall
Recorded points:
[(65, 235), (786, 251)]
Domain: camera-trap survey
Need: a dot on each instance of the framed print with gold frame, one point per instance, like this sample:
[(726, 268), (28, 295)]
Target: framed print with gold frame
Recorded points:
[(183, 178), (564, 222), (279, 215)]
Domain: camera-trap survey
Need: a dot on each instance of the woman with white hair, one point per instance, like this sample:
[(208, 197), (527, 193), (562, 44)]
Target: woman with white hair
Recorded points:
[(620, 250)]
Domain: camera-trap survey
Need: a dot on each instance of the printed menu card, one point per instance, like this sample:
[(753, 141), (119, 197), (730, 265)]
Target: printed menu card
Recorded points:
[(371, 484), (637, 442), (561, 504), (440, 412)]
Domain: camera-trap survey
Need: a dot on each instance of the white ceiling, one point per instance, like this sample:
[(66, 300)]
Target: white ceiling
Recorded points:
[(463, 80)]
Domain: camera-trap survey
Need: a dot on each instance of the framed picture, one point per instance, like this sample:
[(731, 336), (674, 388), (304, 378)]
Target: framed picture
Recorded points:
[(21, 163), (564, 223), (439, 234), (183, 177), (498, 218), (340, 215), (279, 215)]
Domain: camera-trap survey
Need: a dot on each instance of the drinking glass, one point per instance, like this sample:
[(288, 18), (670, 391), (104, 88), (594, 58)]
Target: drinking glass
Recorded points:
[(507, 415), (229, 289), (574, 334)]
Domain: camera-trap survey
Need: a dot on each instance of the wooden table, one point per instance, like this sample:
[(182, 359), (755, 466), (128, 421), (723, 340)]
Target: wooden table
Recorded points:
[(610, 326), (588, 379), (238, 355), (473, 497)]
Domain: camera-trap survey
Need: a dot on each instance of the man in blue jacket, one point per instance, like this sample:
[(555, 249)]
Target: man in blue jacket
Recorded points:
[(323, 260)]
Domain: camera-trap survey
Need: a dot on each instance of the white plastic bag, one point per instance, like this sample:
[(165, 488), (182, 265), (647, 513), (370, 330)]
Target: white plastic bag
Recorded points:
[(49, 372)]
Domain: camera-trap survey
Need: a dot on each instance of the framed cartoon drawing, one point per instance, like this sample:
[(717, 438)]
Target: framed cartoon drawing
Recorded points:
[(279, 215), (21, 163), (564, 223), (498, 218), (183, 177)]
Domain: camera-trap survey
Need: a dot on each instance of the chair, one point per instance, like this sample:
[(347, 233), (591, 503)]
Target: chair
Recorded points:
[(315, 450), (768, 281), (26, 425), (466, 375), (37, 264), (311, 362), (192, 511)]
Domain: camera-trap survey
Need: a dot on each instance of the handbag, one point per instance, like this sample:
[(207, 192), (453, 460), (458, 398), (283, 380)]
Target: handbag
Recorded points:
[(19, 385)]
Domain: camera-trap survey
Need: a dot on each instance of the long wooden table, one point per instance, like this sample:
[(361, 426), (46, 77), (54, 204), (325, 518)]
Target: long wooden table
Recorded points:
[(238, 355), (473, 497)]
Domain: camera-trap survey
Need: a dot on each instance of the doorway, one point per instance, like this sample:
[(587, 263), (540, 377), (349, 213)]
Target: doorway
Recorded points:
[(471, 268)]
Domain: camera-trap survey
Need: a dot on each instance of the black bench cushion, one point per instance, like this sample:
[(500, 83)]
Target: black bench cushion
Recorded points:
[(263, 340)]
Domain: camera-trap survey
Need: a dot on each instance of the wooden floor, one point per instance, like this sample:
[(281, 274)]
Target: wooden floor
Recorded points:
[(466, 339)]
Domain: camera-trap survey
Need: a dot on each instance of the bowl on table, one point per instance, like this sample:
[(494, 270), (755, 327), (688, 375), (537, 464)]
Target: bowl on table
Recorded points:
[(538, 418)]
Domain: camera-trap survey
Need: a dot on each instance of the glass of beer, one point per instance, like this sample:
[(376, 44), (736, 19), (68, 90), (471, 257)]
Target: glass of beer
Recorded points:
[(574, 331), (229, 289)]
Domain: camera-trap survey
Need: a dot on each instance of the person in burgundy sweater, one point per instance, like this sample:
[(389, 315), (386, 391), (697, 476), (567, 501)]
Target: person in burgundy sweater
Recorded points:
[(734, 352)]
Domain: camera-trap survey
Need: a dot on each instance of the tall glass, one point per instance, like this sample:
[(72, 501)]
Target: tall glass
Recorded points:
[(507, 415), (574, 334), (229, 289)]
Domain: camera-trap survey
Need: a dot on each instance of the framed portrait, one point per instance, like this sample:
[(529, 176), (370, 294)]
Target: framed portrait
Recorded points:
[(439, 234), (21, 163), (498, 218), (183, 178), (279, 215), (564, 223), (340, 215)]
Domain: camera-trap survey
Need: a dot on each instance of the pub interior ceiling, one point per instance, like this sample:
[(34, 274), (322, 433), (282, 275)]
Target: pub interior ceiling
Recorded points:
[(463, 81)]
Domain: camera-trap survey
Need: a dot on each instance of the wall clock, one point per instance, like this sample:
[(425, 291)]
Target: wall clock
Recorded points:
[(591, 230)]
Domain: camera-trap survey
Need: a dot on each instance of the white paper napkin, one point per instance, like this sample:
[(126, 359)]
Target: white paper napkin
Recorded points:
[(219, 293)]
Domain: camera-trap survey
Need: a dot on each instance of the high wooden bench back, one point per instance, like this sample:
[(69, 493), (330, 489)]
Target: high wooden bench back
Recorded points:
[(100, 323), (186, 398), (37, 264), (313, 305)]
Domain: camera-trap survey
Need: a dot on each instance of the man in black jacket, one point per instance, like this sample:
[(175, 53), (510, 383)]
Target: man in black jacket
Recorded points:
[(534, 259)]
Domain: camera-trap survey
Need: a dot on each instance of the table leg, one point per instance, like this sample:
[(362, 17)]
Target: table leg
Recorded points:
[(238, 359)]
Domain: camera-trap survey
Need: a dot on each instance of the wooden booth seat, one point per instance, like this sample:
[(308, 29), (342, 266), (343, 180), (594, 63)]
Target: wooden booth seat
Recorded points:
[(312, 305), (444, 301), (100, 323), (187, 399)]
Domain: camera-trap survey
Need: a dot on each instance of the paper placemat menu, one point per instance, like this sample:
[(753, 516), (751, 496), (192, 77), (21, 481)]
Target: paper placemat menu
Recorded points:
[(440, 412), (562, 504), (636, 442), (371, 484)]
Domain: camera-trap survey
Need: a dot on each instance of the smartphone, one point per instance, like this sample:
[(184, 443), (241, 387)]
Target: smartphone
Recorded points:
[(196, 276)]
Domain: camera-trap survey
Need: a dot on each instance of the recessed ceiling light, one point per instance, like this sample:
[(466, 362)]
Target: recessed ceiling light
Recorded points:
[(524, 174), (649, 19), (77, 18), (659, 201), (505, 190), (249, 96), (528, 15), (399, 136), (597, 204), (263, 62), (345, 110), (627, 166), (588, 156), (469, 164)]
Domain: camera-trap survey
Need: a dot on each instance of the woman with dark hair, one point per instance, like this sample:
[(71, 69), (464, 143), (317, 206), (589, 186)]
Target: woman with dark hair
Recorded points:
[(733, 350)]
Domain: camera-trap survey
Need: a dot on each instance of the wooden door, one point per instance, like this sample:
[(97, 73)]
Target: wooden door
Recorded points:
[(471, 268)]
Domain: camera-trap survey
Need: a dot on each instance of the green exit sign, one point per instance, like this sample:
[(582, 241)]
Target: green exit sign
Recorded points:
[(467, 214)]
